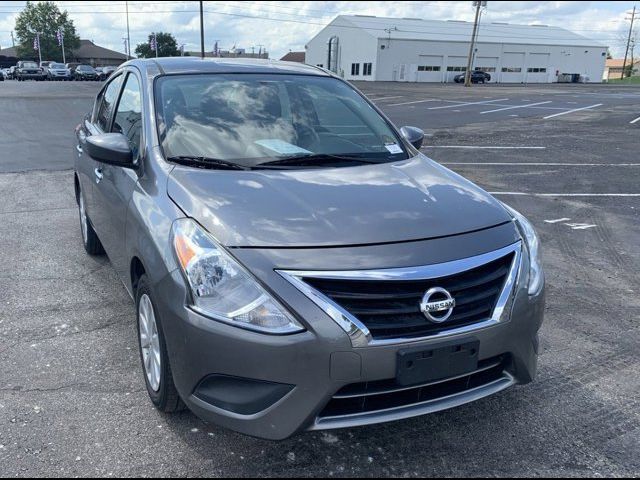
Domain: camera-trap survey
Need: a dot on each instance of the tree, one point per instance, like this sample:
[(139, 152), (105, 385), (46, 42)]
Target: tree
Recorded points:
[(167, 46), (46, 18)]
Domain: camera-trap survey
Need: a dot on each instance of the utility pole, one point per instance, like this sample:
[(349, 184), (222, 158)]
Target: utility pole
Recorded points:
[(128, 51), (13, 40), (201, 30), (626, 53), (467, 75)]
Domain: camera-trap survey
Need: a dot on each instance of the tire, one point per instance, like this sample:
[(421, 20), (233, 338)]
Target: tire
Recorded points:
[(160, 386), (90, 239)]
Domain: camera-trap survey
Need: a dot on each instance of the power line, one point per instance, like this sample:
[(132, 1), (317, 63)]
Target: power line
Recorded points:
[(499, 35)]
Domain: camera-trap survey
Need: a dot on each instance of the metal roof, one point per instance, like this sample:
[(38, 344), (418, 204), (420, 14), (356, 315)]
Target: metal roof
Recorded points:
[(460, 31)]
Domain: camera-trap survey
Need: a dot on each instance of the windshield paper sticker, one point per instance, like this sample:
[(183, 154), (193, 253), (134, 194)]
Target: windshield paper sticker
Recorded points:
[(281, 147), (393, 148)]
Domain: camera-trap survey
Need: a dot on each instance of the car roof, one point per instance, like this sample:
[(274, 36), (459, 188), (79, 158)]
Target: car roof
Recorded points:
[(172, 65)]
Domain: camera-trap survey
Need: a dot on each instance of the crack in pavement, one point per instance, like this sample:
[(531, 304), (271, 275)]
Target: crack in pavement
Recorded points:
[(71, 333)]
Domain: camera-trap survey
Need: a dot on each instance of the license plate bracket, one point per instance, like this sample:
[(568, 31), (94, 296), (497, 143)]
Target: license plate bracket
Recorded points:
[(438, 362)]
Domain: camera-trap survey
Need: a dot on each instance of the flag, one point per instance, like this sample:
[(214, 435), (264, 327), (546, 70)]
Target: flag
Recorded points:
[(153, 44), (36, 43), (60, 37)]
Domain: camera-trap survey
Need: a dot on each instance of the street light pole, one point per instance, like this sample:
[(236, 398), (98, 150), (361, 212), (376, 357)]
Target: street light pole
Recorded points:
[(467, 75), (64, 58), (128, 52), (201, 30)]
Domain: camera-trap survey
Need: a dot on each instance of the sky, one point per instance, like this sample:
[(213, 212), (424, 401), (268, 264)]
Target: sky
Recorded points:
[(283, 26)]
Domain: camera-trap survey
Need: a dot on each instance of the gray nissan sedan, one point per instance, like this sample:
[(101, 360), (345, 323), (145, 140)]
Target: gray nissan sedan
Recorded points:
[(296, 262)]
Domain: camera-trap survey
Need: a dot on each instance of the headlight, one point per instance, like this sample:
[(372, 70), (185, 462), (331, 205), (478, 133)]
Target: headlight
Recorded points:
[(536, 274), (221, 288)]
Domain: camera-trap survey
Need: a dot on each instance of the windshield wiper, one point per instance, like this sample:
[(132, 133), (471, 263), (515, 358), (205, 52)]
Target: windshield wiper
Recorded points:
[(206, 162), (313, 160)]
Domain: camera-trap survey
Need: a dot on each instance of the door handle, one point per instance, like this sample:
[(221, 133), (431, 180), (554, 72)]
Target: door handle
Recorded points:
[(79, 149), (99, 174)]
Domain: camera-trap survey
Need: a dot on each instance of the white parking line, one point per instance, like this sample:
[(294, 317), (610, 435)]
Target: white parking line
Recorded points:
[(524, 194), (542, 164), (557, 220), (515, 106), (501, 105), (636, 120), (485, 147), (386, 98), (572, 110), (469, 103), (409, 103)]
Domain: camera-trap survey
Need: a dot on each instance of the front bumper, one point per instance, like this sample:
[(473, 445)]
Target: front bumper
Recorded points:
[(321, 362), (31, 75), (60, 75)]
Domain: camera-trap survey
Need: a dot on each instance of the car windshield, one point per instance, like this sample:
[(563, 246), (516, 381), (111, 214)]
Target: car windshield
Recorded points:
[(57, 66), (251, 119), (30, 65), (84, 68)]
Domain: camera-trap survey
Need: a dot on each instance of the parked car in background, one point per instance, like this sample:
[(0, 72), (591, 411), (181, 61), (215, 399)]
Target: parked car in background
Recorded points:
[(476, 77), (296, 262), (2, 75), (44, 65), (85, 72), (106, 72), (72, 67), (58, 71), (28, 70)]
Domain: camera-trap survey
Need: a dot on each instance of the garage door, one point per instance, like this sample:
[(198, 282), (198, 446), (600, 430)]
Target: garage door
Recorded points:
[(488, 65), (429, 68), (512, 67), (538, 68)]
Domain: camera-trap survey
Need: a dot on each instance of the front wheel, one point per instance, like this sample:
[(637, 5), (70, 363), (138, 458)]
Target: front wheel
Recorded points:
[(153, 353)]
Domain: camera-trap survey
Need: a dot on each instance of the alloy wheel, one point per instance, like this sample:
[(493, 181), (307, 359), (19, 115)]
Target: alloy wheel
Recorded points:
[(149, 342)]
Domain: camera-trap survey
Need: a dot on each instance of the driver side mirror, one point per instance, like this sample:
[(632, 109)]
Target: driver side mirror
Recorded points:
[(111, 148), (413, 135)]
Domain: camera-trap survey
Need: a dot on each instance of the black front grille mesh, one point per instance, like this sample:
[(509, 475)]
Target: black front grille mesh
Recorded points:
[(391, 308)]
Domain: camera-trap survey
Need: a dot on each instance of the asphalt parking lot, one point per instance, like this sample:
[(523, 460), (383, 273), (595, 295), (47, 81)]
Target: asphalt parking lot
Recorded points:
[(72, 399)]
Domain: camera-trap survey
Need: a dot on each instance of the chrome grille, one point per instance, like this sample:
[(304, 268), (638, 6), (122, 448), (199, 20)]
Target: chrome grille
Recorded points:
[(391, 309)]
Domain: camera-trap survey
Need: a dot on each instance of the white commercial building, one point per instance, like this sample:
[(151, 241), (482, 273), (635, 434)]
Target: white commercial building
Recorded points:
[(360, 47)]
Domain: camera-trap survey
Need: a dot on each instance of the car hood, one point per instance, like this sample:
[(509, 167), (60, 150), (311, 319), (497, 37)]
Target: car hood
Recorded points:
[(411, 200)]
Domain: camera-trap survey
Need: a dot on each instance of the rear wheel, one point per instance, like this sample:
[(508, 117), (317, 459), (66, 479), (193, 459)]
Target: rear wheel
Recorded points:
[(153, 353), (90, 239)]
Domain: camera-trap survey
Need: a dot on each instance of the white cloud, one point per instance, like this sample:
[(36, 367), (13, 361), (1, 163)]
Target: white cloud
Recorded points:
[(281, 26)]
